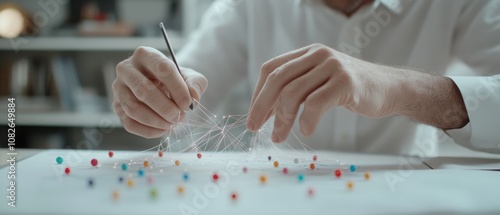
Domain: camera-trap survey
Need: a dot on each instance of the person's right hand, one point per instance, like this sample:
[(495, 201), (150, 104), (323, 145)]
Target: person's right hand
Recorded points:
[(150, 95)]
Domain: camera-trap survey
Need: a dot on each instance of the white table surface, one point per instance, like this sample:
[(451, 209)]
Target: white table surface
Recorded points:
[(396, 186)]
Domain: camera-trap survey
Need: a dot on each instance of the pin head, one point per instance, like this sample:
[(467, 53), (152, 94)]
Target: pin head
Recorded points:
[(59, 160), (67, 170), (94, 162)]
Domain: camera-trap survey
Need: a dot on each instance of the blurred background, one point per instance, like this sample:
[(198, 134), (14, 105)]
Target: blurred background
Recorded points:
[(58, 58)]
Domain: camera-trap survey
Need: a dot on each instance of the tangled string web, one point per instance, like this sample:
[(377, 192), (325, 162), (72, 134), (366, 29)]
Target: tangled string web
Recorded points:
[(217, 136), (207, 132)]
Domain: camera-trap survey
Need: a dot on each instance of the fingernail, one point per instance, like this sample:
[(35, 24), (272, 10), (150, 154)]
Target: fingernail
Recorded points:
[(197, 88), (184, 102), (250, 125), (274, 138)]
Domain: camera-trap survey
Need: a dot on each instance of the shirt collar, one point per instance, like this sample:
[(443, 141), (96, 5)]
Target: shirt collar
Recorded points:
[(395, 6)]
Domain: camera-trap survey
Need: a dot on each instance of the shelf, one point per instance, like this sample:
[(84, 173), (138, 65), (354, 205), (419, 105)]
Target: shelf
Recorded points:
[(65, 119), (91, 43)]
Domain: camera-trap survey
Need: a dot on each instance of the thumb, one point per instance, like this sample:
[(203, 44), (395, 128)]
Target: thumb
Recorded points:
[(196, 82)]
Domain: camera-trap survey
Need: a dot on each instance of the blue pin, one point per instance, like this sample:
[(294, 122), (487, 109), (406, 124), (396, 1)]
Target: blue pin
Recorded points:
[(352, 168), (300, 177), (140, 172), (185, 176), (59, 160), (124, 166)]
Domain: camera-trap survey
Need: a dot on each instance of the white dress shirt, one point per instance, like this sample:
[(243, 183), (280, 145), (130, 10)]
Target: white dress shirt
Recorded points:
[(231, 45)]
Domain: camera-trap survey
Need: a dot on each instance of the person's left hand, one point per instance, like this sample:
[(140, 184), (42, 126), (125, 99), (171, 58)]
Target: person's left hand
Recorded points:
[(321, 78)]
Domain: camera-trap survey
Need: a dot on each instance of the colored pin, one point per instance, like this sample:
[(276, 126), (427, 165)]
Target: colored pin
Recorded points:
[(130, 182), (367, 176), (177, 162), (276, 163), (185, 176), (310, 192), (140, 172), (245, 170), (263, 179), (110, 153), (269, 157), (338, 173), (300, 177), (151, 180), (59, 160), (312, 166), (160, 153), (115, 195), (215, 177), (352, 168), (234, 196), (91, 182), (120, 179), (94, 162), (153, 193), (350, 185), (285, 170), (124, 166), (198, 155), (315, 158), (146, 163), (180, 190), (67, 170)]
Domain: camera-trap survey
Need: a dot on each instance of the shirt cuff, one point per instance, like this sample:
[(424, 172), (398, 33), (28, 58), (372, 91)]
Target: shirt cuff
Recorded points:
[(482, 99)]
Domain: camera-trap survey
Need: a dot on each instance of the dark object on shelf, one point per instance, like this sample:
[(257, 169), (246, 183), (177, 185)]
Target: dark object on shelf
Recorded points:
[(81, 9)]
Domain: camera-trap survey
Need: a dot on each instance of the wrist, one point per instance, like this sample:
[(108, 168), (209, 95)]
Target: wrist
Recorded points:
[(430, 99), (409, 91)]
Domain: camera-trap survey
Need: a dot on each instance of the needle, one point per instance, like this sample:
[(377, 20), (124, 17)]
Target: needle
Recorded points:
[(164, 32)]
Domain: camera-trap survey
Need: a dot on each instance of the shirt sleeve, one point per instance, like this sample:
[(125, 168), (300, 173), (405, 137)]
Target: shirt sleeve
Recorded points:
[(217, 49), (482, 100), (477, 44)]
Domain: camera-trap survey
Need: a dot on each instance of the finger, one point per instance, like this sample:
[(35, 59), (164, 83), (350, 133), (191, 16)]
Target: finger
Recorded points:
[(274, 84), (140, 112), (292, 96), (164, 70), (196, 82), (270, 113), (135, 127), (147, 92), (316, 104), (271, 65)]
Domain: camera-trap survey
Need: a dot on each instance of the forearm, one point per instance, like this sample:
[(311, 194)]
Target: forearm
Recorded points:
[(431, 99)]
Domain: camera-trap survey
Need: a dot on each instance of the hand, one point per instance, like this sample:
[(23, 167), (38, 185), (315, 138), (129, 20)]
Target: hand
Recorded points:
[(321, 78), (150, 95)]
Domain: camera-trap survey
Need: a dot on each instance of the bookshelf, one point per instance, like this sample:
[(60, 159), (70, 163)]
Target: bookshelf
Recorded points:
[(42, 116), (66, 119), (93, 43)]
